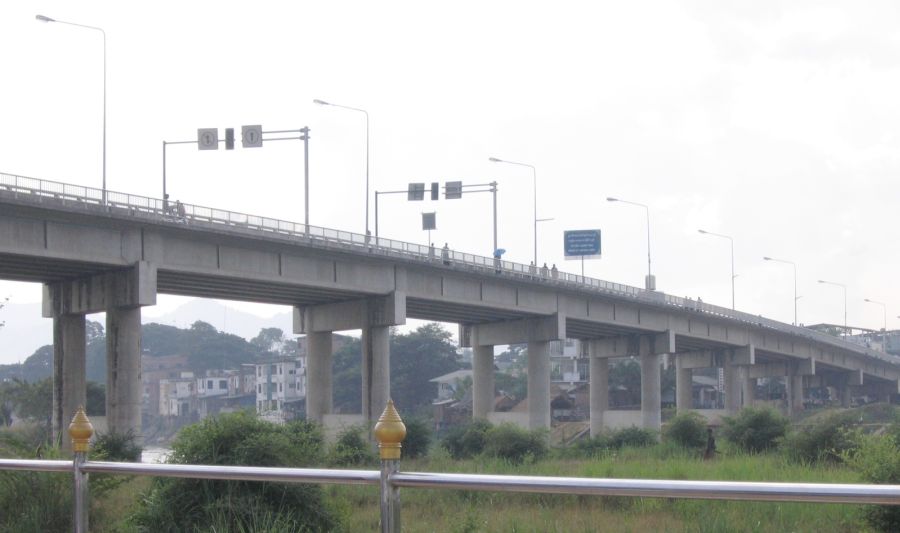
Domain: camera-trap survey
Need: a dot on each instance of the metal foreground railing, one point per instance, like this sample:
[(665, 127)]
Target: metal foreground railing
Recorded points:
[(390, 432), (77, 197)]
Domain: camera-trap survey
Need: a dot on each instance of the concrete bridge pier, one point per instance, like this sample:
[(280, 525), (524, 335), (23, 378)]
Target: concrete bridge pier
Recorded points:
[(374, 316), (684, 377), (376, 371), (482, 381), (319, 380), (651, 348), (734, 364), (598, 387), (748, 388), (120, 294), (537, 333), (69, 385), (123, 370)]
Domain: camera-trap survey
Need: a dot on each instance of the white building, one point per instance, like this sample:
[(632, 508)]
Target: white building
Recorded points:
[(567, 363), (176, 395), (280, 385)]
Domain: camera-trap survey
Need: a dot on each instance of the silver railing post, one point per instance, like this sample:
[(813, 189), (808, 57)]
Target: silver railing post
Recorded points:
[(389, 432), (80, 431)]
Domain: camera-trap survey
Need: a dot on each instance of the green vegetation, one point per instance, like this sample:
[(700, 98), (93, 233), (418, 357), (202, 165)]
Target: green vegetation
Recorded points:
[(352, 449), (418, 438), (687, 430), (238, 439), (823, 438), (515, 444), (755, 430)]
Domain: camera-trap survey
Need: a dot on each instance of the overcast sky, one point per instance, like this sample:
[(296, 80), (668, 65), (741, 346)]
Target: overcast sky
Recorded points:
[(777, 123)]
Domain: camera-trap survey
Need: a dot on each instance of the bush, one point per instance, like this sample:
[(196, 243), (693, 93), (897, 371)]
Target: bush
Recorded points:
[(515, 444), (116, 447), (468, 440), (592, 446), (237, 439), (633, 437), (687, 430), (877, 458), (755, 430), (825, 438), (352, 449), (418, 438)]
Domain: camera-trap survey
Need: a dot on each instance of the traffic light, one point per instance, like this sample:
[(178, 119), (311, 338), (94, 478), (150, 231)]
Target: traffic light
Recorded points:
[(229, 138), (435, 190), (416, 192)]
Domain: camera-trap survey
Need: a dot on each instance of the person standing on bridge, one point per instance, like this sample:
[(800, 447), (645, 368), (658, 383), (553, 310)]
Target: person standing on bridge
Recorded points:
[(554, 272), (545, 271), (445, 254), (532, 269)]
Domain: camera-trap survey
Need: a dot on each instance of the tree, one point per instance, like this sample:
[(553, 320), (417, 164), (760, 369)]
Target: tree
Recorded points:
[(270, 341), (416, 358), (214, 505), (626, 374)]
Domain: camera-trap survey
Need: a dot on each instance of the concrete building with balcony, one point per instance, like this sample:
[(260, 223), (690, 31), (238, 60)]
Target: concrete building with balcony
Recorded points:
[(280, 388)]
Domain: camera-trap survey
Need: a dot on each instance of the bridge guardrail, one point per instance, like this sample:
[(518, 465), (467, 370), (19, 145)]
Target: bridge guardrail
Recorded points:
[(390, 432), (135, 205)]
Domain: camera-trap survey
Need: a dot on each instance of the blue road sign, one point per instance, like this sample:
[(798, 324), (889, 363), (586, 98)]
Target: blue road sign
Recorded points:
[(582, 243)]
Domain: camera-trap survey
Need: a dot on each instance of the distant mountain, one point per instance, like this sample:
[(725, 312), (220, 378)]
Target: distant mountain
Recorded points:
[(26, 331), (223, 318)]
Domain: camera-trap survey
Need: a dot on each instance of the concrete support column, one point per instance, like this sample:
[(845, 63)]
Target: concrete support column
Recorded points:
[(538, 384), (599, 392), (845, 395), (795, 394), (748, 386), (684, 396), (69, 381), (732, 387), (482, 381), (376, 371), (123, 370), (319, 388), (651, 412)]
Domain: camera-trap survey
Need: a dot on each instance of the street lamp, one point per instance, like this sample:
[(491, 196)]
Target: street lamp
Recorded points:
[(704, 232), (795, 283), (884, 331), (650, 282), (534, 177), (841, 285), (43, 18), (366, 113)]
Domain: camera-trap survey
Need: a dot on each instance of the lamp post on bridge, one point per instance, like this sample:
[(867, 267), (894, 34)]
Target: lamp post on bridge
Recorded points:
[(841, 285), (650, 282), (883, 331), (796, 323), (43, 18), (366, 113), (534, 179), (731, 240)]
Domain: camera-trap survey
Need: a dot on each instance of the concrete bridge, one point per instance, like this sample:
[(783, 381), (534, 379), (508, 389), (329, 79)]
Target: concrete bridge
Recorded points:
[(115, 256)]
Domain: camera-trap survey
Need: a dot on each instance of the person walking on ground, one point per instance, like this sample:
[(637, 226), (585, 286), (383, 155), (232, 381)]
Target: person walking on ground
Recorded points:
[(445, 254)]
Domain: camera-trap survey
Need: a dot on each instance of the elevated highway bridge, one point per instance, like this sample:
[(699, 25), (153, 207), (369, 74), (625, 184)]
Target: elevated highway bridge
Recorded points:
[(116, 254)]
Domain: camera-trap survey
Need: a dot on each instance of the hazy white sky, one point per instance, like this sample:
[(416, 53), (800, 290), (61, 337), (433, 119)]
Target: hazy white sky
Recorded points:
[(777, 123)]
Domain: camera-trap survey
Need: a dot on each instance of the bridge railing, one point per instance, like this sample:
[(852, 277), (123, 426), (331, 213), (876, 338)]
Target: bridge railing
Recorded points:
[(390, 432), (76, 196)]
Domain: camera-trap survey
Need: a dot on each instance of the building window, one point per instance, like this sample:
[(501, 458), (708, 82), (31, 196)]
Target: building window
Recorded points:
[(259, 371), (259, 389), (279, 370), (280, 388), (223, 384), (209, 384), (272, 369)]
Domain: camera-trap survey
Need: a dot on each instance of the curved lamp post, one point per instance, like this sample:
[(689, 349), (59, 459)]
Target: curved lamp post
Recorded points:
[(650, 282), (795, 283), (366, 113), (704, 232), (534, 178), (43, 18)]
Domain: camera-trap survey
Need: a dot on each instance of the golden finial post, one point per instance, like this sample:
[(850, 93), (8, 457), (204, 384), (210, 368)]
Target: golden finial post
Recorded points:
[(390, 432), (80, 431)]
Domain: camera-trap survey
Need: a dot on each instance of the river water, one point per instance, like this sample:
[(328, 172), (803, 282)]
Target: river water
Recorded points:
[(155, 454)]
